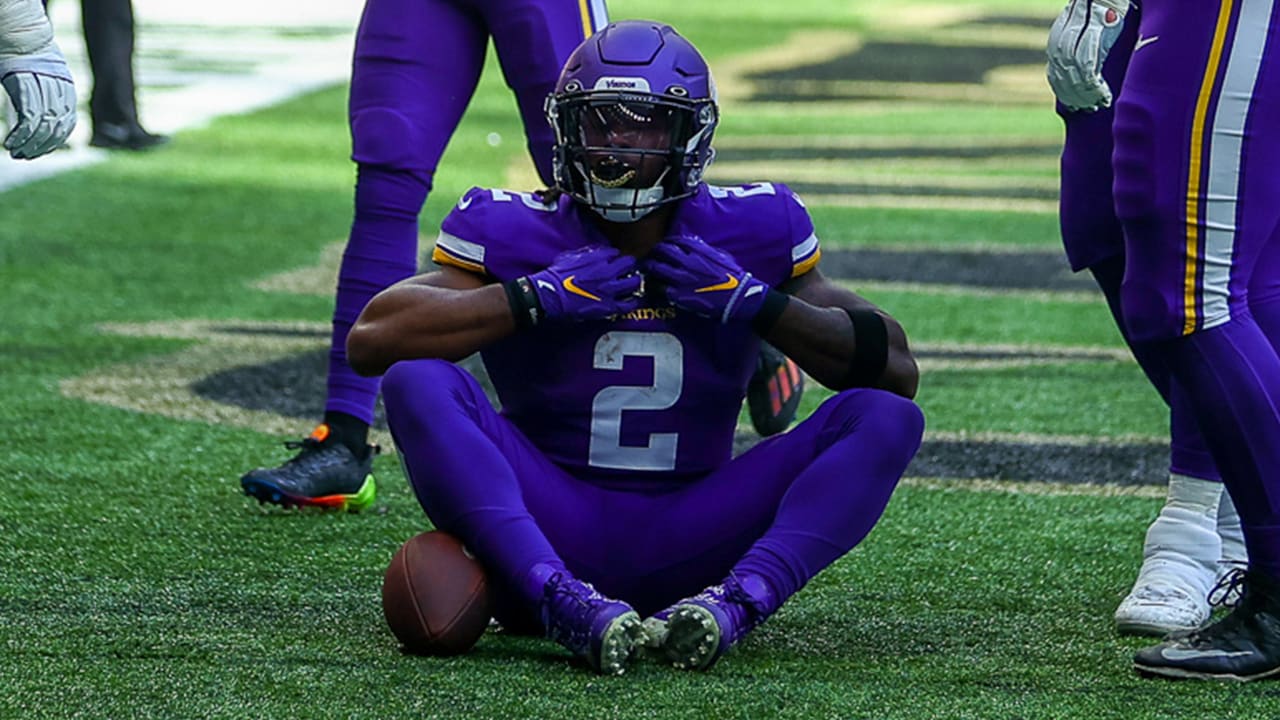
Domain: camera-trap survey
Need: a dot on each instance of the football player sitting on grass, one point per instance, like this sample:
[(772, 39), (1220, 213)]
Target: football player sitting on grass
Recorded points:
[(618, 316)]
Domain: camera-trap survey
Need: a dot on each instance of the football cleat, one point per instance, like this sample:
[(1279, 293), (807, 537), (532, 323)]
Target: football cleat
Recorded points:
[(1159, 609), (773, 395), (600, 630), (1243, 646), (695, 632), (324, 473)]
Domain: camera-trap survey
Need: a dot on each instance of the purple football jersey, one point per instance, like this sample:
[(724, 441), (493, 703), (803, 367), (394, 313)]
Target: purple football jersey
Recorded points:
[(656, 391)]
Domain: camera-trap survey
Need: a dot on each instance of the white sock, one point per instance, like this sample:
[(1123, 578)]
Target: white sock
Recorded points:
[(1182, 546), (1234, 554)]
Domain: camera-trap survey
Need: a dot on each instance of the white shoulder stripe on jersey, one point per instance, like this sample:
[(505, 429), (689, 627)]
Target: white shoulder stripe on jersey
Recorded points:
[(460, 248), (804, 249)]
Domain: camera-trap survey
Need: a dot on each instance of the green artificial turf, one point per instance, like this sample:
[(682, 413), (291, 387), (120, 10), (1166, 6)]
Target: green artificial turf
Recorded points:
[(137, 582)]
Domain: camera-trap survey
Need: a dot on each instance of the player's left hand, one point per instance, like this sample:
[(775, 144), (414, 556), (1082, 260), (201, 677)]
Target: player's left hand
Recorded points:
[(704, 280), (1079, 42)]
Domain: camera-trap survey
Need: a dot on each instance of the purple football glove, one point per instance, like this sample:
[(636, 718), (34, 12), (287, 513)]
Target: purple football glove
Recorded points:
[(704, 280), (588, 284)]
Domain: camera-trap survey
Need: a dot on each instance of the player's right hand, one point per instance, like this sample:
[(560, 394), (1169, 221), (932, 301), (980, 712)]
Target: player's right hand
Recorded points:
[(46, 110), (1079, 42), (589, 283)]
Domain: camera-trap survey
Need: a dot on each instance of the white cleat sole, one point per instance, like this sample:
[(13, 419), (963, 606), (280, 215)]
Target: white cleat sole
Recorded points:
[(624, 636), (692, 638)]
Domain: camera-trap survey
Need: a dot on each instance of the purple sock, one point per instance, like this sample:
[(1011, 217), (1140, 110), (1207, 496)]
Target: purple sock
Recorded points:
[(1188, 454), (834, 503), (1232, 375), (382, 250)]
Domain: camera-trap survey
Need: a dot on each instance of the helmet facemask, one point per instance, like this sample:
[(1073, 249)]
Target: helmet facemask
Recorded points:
[(623, 154)]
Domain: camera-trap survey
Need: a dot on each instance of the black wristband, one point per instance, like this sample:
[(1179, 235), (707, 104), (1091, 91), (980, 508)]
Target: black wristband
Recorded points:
[(774, 303), (871, 348), (523, 301)]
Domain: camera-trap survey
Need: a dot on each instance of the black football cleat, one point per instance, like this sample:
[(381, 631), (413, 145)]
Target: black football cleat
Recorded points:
[(1244, 645), (116, 136), (773, 395), (324, 473)]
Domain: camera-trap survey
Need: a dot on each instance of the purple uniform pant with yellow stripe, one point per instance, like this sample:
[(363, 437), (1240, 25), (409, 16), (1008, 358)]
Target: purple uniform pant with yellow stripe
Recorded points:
[(1198, 195), (782, 511), (1094, 240), (416, 66)]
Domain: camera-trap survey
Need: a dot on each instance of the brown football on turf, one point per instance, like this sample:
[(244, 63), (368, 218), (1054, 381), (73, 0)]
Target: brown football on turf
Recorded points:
[(435, 597)]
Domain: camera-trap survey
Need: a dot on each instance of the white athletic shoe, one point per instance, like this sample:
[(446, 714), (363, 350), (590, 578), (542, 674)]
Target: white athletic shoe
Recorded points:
[(1179, 563), (1154, 608)]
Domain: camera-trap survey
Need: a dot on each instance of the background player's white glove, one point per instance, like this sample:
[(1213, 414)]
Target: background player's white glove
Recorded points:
[(34, 73), (1079, 42)]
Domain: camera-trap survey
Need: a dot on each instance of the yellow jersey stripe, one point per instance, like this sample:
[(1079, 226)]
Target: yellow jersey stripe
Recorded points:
[(584, 10), (805, 266), (440, 257)]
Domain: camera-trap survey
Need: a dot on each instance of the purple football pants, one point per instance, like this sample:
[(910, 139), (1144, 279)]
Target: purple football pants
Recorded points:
[(1094, 239), (416, 66), (782, 511), (1195, 188)]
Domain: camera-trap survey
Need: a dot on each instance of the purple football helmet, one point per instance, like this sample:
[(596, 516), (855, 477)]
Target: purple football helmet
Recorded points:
[(633, 112)]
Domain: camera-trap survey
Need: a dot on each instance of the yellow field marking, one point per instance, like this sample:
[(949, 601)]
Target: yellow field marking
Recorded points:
[(801, 48), (880, 142), (916, 202), (1025, 487), (889, 174), (976, 248), (1042, 296), (1031, 93), (1023, 438), (521, 175), (162, 385), (322, 277), (919, 16), (985, 35), (318, 279), (1013, 356)]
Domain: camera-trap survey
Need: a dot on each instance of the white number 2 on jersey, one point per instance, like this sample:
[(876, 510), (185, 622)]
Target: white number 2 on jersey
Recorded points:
[(606, 449)]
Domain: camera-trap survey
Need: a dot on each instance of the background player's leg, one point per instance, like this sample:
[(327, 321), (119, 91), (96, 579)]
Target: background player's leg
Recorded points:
[(416, 65), (1181, 550), (1195, 187), (533, 38), (108, 37), (471, 471)]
